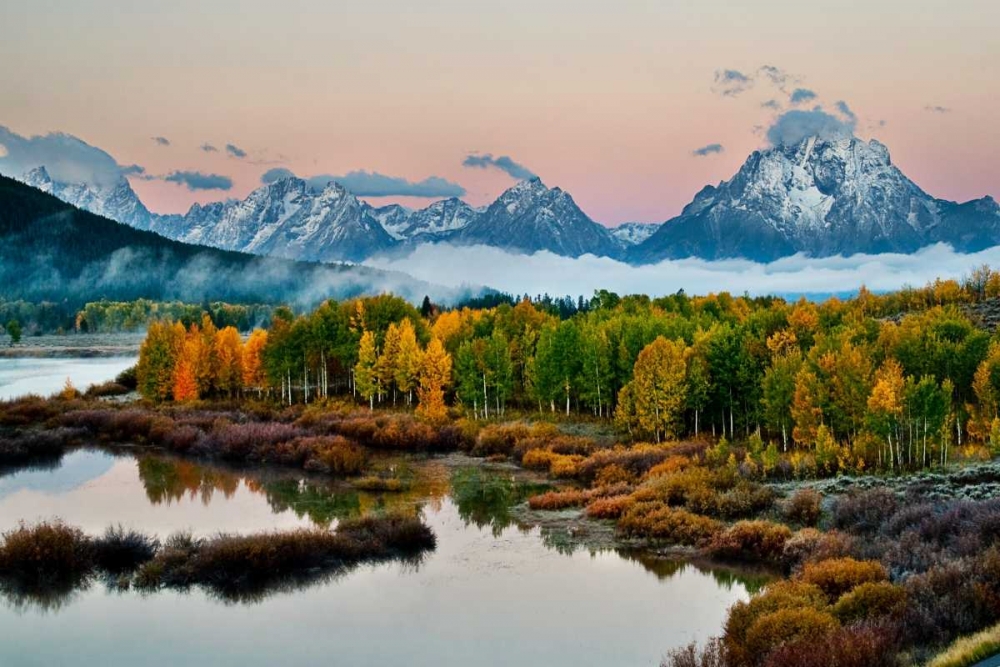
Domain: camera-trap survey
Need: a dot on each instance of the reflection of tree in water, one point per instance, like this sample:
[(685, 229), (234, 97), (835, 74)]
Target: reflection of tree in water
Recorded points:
[(45, 597), (665, 568), (321, 505), (485, 498), (167, 479)]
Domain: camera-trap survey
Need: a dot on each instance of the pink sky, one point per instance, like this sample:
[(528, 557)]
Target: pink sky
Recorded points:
[(607, 102)]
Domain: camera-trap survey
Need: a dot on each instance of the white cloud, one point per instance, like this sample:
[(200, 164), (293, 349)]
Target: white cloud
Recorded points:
[(546, 272)]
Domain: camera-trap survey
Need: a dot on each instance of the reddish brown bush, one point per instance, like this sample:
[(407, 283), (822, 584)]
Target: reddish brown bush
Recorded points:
[(751, 541), (804, 507), (864, 645), (781, 627), (810, 544)]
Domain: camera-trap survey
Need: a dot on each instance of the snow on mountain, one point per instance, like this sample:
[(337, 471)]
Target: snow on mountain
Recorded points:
[(288, 219), (822, 197), (435, 222), (530, 217), (633, 233), (117, 202)]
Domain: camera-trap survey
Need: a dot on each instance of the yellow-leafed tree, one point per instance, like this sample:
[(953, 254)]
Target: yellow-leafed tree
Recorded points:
[(407, 366), (229, 358), (435, 375), (653, 402), (365, 375), (254, 376)]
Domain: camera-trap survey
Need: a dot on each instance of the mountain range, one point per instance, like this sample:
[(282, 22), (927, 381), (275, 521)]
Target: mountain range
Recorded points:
[(53, 251), (821, 196)]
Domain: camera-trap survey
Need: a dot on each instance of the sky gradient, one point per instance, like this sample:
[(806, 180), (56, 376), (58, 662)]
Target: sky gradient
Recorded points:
[(612, 103)]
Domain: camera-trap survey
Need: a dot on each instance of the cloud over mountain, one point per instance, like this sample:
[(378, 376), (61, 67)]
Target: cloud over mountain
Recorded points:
[(710, 149), (67, 158), (195, 180), (504, 163), (373, 184)]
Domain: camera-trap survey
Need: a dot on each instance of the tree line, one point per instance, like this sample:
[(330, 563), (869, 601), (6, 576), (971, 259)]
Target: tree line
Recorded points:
[(884, 381)]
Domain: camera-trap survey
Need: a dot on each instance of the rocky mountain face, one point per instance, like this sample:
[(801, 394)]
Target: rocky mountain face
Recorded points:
[(823, 198), (530, 217), (633, 233), (436, 222), (117, 202)]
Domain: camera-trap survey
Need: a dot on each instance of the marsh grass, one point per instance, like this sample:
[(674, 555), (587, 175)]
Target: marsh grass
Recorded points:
[(970, 649)]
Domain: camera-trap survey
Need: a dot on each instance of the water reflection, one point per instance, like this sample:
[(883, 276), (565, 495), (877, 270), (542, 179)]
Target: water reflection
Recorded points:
[(503, 586)]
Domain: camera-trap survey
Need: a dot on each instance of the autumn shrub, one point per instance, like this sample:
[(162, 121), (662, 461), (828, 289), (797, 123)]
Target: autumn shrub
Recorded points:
[(657, 521), (751, 540), (780, 595), (28, 410), (783, 626), (45, 552), (24, 446), (804, 507), (249, 441), (670, 465), (609, 508), (538, 459), (869, 601), (712, 654), (809, 544), (860, 645), (119, 550), (636, 460), (233, 562), (837, 576), (333, 454), (863, 512), (556, 500), (746, 499), (954, 598), (106, 389), (501, 438), (675, 489)]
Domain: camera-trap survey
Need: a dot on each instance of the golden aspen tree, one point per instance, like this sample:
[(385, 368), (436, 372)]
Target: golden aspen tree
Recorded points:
[(365, 376), (806, 409), (229, 356), (408, 360), (658, 388), (434, 377), (885, 405), (253, 363), (385, 369)]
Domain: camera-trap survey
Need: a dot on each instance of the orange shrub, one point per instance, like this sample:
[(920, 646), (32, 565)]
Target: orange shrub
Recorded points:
[(779, 595), (660, 522), (669, 466), (751, 540), (557, 500), (841, 575), (609, 508), (538, 459)]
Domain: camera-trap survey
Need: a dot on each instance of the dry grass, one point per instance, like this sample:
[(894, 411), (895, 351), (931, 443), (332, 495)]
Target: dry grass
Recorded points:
[(969, 650)]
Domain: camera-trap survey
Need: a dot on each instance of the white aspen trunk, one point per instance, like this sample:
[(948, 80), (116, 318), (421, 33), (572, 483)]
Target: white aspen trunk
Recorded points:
[(486, 400)]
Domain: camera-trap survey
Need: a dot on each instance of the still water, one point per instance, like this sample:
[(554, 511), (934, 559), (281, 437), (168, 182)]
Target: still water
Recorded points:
[(20, 376), (496, 591)]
